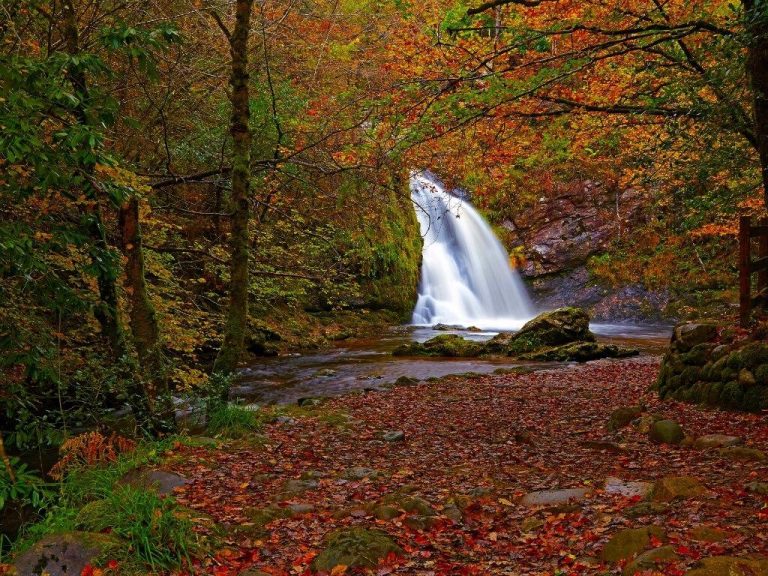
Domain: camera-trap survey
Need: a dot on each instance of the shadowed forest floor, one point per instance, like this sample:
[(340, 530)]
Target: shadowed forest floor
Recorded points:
[(454, 493)]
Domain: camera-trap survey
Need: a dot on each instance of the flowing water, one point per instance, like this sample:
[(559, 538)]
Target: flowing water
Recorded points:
[(466, 278)]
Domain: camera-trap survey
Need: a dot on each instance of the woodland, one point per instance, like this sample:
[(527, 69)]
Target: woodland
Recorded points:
[(188, 187)]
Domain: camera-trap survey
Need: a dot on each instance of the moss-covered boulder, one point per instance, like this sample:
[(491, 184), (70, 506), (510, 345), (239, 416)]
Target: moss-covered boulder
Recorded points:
[(730, 566), (666, 432), (447, 345), (677, 487), (742, 453), (625, 544), (651, 560), (688, 334), (555, 328), (354, 547), (622, 417), (579, 352)]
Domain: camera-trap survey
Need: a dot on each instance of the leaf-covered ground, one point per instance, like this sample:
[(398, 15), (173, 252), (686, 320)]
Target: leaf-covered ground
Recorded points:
[(476, 446)]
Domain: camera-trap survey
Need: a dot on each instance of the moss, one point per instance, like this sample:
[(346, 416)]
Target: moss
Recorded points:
[(733, 361), (713, 397), (689, 375), (446, 345), (761, 374), (697, 356), (755, 399), (356, 548), (732, 394), (728, 373), (753, 354)]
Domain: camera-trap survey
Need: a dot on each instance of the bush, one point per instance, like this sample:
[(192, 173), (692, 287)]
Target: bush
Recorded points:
[(26, 487)]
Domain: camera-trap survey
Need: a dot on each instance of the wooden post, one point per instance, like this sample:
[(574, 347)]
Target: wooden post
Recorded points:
[(762, 252), (745, 274)]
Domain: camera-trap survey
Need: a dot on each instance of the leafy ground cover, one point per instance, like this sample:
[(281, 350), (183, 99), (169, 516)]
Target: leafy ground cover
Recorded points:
[(452, 471)]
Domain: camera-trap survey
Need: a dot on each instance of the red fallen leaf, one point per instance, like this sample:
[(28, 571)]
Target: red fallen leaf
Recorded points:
[(113, 564), (87, 570)]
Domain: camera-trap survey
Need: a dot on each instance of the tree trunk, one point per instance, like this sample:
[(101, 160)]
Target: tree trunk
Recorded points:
[(143, 320), (106, 311), (237, 312), (756, 16)]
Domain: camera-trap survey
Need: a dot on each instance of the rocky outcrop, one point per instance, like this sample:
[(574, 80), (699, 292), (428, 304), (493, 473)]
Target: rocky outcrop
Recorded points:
[(705, 365)]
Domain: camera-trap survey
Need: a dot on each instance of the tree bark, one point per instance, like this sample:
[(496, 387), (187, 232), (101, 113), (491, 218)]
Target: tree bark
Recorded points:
[(237, 313), (756, 24)]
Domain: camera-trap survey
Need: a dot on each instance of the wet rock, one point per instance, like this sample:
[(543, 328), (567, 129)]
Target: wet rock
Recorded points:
[(677, 487), (628, 489), (359, 473), (561, 326), (325, 372), (406, 381), (628, 542), (394, 436), (622, 417), (446, 345), (579, 352), (160, 481), (742, 453), (666, 432), (708, 534), (356, 548), (711, 441), (445, 327), (651, 559), (64, 554), (730, 566), (309, 402), (646, 509), (554, 497)]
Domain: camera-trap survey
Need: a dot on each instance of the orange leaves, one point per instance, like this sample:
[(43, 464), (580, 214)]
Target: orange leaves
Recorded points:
[(88, 449)]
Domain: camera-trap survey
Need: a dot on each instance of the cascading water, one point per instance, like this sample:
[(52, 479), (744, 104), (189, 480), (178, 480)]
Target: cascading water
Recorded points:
[(466, 278)]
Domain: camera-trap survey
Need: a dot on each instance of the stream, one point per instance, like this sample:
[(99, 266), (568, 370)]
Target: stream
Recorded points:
[(367, 364)]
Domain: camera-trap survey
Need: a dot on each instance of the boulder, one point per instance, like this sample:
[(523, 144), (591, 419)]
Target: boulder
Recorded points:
[(628, 542), (666, 432), (355, 548), (730, 566), (708, 534), (578, 352), (561, 326), (622, 417), (65, 554), (628, 489), (160, 481), (741, 453), (446, 345), (394, 436), (553, 497), (677, 487), (711, 441), (651, 559), (688, 334)]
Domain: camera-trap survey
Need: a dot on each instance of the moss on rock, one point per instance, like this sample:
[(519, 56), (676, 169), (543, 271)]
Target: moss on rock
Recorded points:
[(356, 548)]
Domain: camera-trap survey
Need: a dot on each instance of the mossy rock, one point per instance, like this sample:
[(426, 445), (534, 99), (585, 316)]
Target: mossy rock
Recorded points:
[(730, 566), (742, 454), (628, 542), (666, 432), (708, 534), (356, 548), (561, 326), (622, 417), (754, 354), (579, 352), (651, 559), (676, 487), (688, 334), (66, 554), (697, 356), (445, 345)]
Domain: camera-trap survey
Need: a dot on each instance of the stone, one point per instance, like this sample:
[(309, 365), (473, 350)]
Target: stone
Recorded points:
[(711, 441), (631, 541), (666, 432), (742, 454), (531, 524), (417, 505), (309, 402), (730, 566), (296, 487), (561, 326), (578, 352), (360, 473), (446, 345), (64, 554), (394, 436), (355, 548), (628, 489), (554, 497), (708, 534), (420, 522), (650, 559), (406, 381), (746, 378), (646, 509), (300, 509), (452, 512), (644, 423), (622, 417), (160, 481), (760, 488), (677, 487), (688, 334), (386, 512)]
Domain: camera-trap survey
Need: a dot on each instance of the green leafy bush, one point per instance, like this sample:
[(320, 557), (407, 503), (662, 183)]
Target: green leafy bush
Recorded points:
[(25, 488)]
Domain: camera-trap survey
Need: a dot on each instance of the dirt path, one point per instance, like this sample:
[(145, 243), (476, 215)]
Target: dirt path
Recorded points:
[(450, 494)]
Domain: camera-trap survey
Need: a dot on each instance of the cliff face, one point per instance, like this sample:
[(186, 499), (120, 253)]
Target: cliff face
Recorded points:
[(562, 231)]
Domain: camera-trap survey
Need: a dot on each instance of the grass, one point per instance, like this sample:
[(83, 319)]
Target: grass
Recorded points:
[(233, 421)]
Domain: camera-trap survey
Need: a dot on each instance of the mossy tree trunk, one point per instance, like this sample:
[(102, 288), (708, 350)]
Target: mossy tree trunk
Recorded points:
[(756, 24), (237, 312)]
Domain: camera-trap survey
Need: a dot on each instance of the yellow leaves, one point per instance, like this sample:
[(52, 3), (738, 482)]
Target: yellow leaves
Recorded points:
[(122, 177), (505, 502), (340, 569)]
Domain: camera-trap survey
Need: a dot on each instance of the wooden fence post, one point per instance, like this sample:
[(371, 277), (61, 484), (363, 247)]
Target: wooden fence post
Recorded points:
[(745, 274)]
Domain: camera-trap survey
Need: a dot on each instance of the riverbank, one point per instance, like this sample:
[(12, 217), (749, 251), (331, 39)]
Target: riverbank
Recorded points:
[(452, 471)]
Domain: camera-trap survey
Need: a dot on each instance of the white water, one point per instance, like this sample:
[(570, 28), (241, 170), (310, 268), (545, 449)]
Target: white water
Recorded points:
[(466, 278)]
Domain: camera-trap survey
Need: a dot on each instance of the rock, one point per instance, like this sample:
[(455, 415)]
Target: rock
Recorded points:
[(325, 372), (160, 481), (65, 554), (406, 381), (708, 534), (394, 436), (417, 505), (742, 453), (452, 512), (296, 487), (300, 509), (386, 512), (677, 487), (359, 473), (356, 548), (578, 352), (644, 423), (626, 543), (650, 559), (603, 445), (531, 524), (711, 441), (746, 378), (287, 420), (553, 497), (646, 509), (309, 402), (688, 334), (622, 417), (666, 432), (730, 566), (444, 327), (627, 489), (760, 488), (447, 345), (561, 326)]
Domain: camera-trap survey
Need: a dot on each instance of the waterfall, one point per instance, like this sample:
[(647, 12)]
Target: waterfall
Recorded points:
[(466, 278)]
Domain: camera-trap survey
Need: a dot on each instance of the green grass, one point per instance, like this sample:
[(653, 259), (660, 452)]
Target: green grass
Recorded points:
[(233, 421)]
